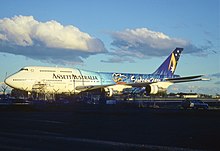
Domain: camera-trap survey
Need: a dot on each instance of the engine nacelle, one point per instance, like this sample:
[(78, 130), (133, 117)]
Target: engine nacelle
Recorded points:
[(154, 89), (109, 92)]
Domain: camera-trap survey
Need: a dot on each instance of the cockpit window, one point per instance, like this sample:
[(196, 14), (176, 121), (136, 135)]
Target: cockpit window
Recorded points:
[(24, 69)]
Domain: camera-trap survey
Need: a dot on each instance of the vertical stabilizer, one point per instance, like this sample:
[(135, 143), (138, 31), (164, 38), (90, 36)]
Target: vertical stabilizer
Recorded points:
[(168, 67)]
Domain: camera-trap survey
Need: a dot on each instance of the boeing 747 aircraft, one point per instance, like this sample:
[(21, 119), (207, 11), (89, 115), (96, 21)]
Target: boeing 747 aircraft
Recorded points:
[(72, 80)]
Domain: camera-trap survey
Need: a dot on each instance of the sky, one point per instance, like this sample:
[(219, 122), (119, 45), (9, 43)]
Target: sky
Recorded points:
[(113, 36)]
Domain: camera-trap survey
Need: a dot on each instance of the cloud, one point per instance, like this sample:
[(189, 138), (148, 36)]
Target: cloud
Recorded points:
[(143, 43), (47, 41)]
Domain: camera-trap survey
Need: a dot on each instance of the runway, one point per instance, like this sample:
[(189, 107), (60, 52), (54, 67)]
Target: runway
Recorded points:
[(98, 128)]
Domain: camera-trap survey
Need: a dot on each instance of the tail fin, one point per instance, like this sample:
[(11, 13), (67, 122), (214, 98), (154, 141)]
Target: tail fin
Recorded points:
[(168, 67)]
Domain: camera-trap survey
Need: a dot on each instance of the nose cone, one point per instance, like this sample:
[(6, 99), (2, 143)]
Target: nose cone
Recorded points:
[(9, 81)]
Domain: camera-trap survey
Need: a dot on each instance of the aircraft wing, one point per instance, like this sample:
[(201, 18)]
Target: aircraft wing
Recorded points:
[(187, 79), (171, 80), (143, 84), (139, 84), (91, 87)]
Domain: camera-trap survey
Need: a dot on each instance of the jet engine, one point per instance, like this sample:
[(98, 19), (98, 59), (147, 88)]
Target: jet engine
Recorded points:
[(154, 89), (109, 92)]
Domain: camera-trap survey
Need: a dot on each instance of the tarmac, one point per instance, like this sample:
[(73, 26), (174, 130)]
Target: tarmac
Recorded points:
[(83, 127)]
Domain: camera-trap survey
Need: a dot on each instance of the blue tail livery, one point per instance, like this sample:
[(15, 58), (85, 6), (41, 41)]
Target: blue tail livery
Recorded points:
[(168, 67)]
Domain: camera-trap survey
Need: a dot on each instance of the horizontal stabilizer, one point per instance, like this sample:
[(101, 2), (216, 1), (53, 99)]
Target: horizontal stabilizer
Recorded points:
[(187, 79)]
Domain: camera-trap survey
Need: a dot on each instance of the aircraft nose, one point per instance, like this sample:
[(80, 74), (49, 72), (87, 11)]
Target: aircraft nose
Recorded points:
[(9, 81)]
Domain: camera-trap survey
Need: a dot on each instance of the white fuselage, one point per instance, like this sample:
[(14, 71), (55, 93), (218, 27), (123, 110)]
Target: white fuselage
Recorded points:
[(51, 79), (55, 80)]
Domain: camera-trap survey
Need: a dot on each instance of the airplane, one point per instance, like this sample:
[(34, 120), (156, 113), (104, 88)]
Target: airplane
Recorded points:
[(73, 80)]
